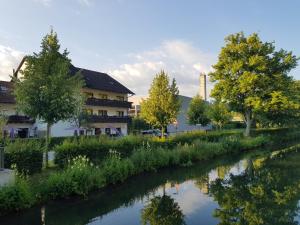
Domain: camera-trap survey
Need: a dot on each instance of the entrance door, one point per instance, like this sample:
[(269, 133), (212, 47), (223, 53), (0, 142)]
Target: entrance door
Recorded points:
[(23, 132)]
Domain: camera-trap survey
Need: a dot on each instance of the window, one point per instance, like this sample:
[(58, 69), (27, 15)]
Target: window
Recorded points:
[(107, 131), (89, 111), (97, 131), (102, 112), (119, 130), (120, 98), (120, 113), (103, 96), (89, 94), (3, 89)]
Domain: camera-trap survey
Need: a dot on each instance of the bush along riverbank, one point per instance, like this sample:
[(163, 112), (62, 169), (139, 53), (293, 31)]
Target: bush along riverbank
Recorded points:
[(81, 176)]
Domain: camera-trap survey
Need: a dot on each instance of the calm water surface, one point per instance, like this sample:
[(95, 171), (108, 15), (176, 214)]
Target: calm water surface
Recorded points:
[(254, 189)]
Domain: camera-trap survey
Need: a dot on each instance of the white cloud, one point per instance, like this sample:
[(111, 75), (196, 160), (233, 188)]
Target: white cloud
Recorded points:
[(9, 60), (178, 58)]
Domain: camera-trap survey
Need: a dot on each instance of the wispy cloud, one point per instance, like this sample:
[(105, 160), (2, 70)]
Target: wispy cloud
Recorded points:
[(9, 59), (180, 59)]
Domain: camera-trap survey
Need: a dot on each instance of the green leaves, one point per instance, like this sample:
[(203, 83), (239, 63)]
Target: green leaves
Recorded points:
[(47, 91), (249, 72), (162, 106), (196, 111)]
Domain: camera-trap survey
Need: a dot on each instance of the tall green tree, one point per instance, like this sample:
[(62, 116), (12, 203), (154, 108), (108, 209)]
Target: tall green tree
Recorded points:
[(219, 114), (162, 106), (196, 111), (251, 74), (46, 90)]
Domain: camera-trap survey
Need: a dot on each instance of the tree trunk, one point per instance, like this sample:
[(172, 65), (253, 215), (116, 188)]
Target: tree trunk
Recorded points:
[(248, 121), (47, 144), (162, 132)]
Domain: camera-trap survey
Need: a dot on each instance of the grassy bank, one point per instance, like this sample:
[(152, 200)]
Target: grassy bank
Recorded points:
[(81, 176)]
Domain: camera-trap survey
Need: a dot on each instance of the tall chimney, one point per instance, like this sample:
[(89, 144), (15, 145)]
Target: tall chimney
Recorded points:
[(203, 86)]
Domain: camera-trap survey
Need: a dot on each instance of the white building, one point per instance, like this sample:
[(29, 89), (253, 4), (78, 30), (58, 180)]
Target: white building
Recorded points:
[(107, 107)]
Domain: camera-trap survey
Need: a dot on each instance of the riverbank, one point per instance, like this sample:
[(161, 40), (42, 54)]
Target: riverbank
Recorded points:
[(81, 176), (188, 186)]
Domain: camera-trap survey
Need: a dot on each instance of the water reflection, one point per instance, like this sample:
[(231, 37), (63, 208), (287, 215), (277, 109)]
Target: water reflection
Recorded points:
[(251, 190), (267, 192), (162, 210)]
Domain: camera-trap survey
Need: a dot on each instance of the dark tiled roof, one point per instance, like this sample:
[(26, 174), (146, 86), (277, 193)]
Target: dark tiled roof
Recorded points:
[(6, 95), (100, 81)]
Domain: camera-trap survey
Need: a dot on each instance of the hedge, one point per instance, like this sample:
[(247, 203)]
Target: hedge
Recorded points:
[(26, 155), (97, 149)]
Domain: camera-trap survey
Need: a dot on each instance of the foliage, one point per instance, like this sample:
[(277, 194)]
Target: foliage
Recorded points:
[(138, 124), (46, 90), (97, 148), (270, 194), (27, 156), (162, 106), (162, 210), (252, 77), (16, 196), (3, 122), (196, 111), (115, 170), (287, 116), (80, 177), (219, 114)]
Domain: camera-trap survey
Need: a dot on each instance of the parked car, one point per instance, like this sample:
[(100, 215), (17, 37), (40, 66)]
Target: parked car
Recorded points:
[(153, 132)]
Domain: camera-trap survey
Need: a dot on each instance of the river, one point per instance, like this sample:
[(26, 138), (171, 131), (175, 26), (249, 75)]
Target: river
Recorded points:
[(250, 189)]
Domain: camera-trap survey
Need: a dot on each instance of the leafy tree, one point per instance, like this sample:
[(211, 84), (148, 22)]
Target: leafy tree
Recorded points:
[(219, 114), (47, 91), (162, 210), (252, 77), (289, 113), (138, 124), (162, 106), (196, 111)]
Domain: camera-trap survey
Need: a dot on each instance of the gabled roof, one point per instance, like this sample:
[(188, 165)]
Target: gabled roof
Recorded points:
[(93, 79), (100, 81), (6, 95)]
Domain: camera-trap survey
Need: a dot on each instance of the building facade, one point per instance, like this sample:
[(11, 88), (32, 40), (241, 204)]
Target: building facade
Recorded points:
[(106, 108)]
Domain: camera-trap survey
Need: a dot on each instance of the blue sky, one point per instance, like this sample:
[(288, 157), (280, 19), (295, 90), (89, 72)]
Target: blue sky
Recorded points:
[(134, 39)]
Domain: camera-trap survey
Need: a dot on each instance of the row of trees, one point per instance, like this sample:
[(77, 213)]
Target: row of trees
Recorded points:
[(203, 113), (251, 78)]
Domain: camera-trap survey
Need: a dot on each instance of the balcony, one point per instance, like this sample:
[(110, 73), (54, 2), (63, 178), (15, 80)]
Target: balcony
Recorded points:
[(20, 119), (108, 119), (108, 102)]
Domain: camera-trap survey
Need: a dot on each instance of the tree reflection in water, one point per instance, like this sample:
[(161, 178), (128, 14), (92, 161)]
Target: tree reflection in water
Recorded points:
[(162, 210), (265, 194)]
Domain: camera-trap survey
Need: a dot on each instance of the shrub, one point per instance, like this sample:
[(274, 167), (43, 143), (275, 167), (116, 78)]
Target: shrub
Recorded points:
[(115, 169), (16, 196), (80, 177), (26, 155)]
